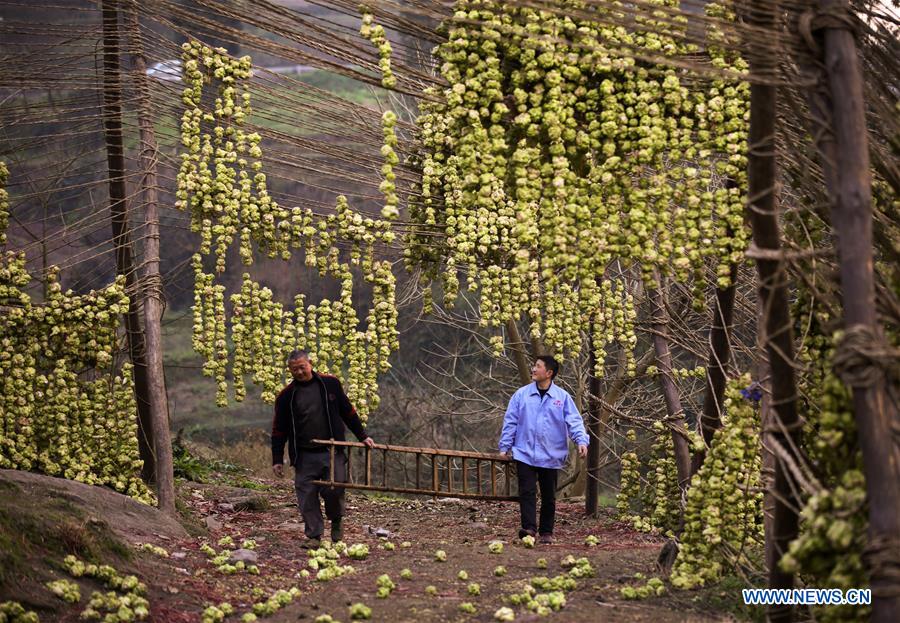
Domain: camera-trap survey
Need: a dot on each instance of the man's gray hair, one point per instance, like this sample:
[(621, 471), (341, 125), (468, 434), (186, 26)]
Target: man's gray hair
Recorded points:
[(298, 354)]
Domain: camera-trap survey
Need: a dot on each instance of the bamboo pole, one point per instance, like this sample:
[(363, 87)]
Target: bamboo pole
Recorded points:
[(153, 291), (121, 235), (876, 415)]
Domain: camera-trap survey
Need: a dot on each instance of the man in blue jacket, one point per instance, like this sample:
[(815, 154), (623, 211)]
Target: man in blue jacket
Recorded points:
[(539, 420), (314, 406)]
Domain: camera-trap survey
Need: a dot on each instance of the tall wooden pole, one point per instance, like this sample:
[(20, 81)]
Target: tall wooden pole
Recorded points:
[(121, 236), (153, 286), (851, 218), (773, 292), (767, 472)]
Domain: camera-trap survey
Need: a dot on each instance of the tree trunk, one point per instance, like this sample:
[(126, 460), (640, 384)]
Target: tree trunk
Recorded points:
[(717, 368), (121, 237), (518, 348), (595, 426), (537, 348), (592, 486), (153, 286), (851, 218), (774, 297), (667, 383)]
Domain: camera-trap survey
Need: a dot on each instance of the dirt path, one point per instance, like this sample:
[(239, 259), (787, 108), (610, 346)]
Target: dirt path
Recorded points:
[(182, 587)]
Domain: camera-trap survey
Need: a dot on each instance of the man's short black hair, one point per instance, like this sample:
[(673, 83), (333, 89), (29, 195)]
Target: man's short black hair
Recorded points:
[(550, 363), (298, 354)]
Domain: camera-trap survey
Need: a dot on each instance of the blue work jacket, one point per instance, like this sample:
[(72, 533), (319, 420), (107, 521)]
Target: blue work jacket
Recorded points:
[(537, 428)]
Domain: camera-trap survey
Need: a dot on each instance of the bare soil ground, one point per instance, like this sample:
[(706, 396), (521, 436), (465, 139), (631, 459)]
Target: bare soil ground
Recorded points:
[(182, 585)]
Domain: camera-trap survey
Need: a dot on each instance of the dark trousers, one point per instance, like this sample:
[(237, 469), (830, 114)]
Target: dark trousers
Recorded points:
[(529, 478), (316, 466)]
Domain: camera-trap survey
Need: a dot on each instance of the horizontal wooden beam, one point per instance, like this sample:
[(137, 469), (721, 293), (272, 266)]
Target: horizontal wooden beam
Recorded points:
[(484, 456), (429, 492)]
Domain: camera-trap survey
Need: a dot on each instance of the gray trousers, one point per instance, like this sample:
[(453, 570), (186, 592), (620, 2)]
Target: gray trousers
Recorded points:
[(316, 466)]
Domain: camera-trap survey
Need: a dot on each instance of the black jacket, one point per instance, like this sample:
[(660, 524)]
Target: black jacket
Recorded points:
[(338, 410)]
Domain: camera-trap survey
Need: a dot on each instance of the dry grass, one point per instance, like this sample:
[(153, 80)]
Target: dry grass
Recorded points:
[(254, 452)]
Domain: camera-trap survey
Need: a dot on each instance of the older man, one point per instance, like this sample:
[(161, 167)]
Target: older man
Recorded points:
[(539, 420), (314, 406)]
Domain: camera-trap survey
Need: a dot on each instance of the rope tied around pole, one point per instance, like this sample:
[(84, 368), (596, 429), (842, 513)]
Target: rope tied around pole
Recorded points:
[(812, 21), (863, 359), (882, 559), (152, 285), (145, 287)]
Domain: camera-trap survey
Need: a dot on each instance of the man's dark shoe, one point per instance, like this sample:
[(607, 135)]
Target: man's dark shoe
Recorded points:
[(312, 543), (523, 533), (546, 539), (337, 532)]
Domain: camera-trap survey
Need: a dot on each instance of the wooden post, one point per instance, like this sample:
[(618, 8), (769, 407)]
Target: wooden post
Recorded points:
[(434, 473), (384, 468), (773, 293), (851, 218), (767, 469), (331, 463), (478, 473), (153, 287), (465, 477), (349, 464), (450, 474), (493, 478), (368, 465), (506, 472), (418, 469), (670, 390), (121, 235)]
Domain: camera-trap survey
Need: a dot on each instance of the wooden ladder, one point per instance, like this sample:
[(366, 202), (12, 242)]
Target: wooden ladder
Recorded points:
[(490, 479)]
